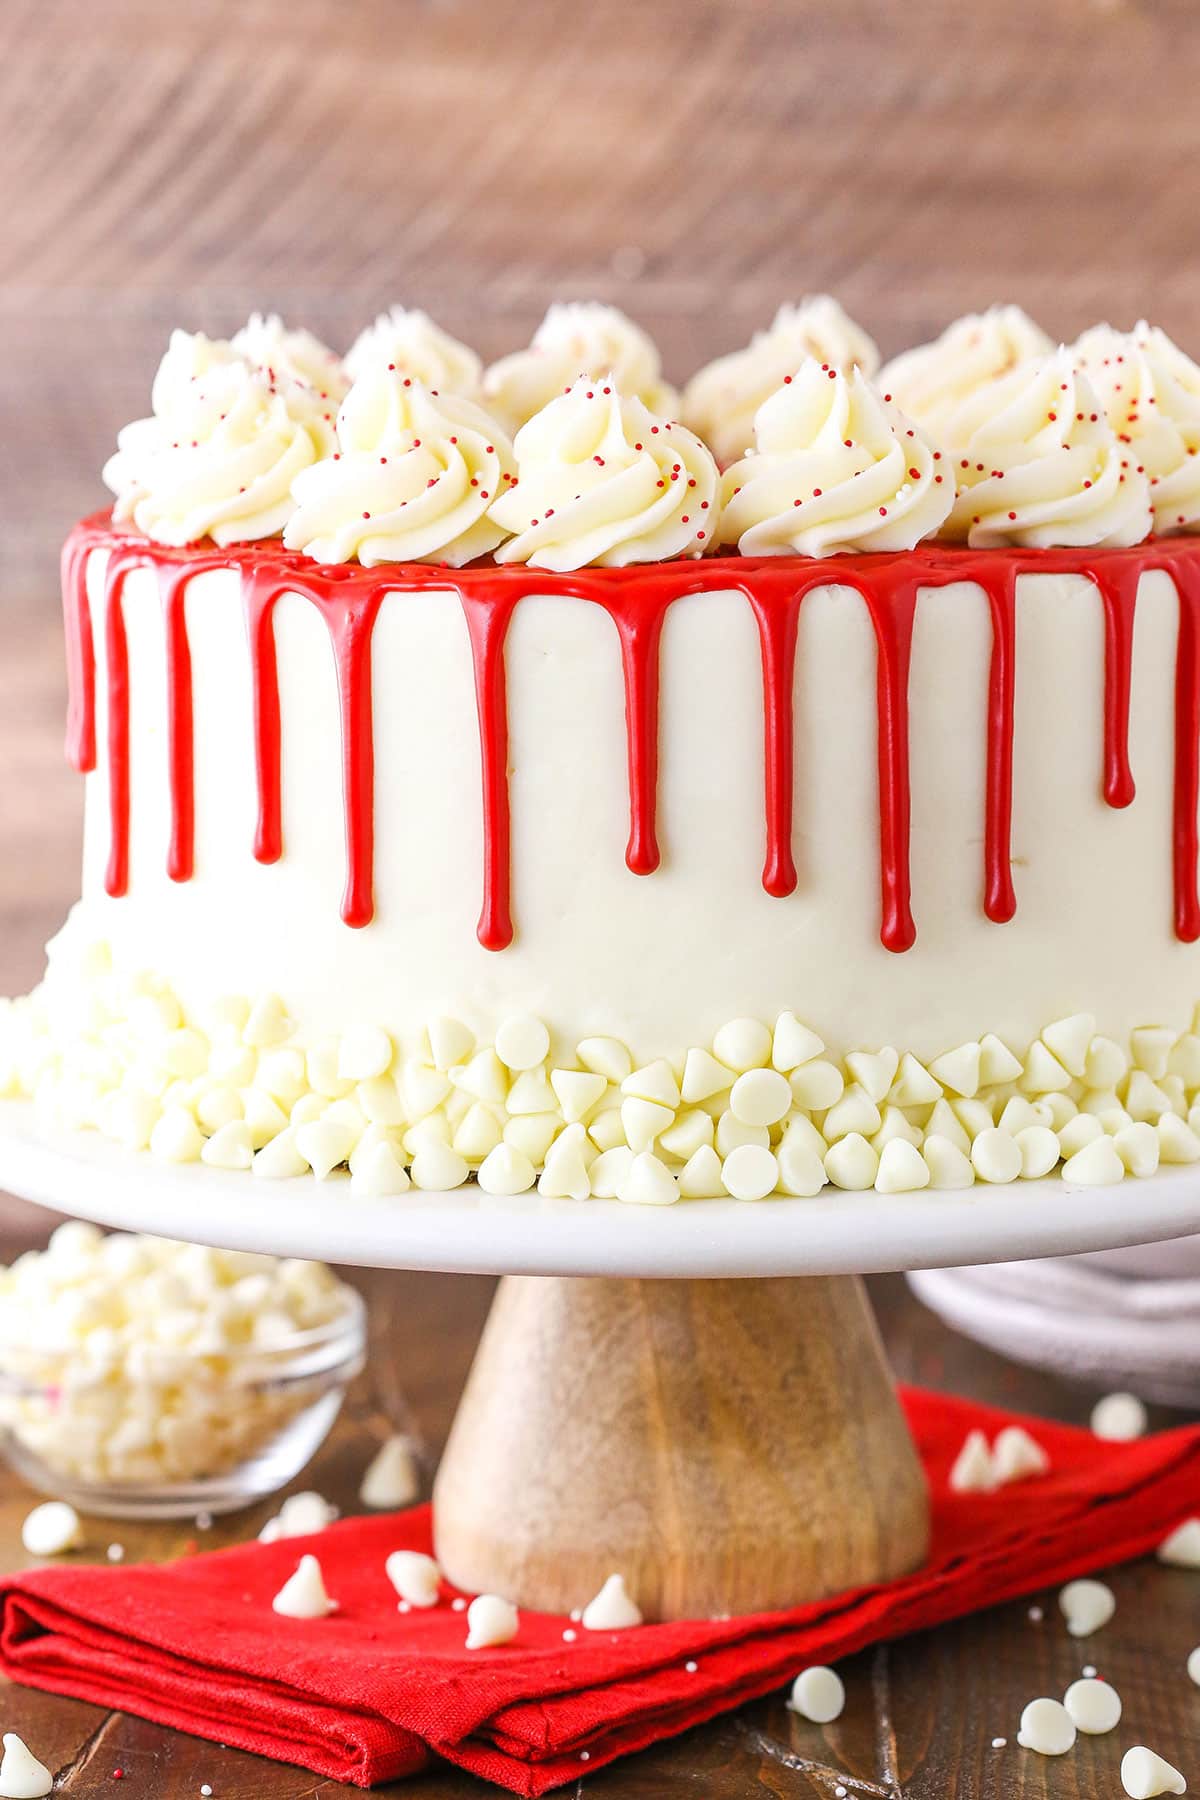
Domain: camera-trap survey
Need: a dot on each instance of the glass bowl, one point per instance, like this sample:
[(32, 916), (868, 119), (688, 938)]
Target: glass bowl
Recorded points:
[(178, 1432)]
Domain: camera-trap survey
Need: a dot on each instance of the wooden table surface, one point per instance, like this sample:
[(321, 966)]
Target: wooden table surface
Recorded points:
[(696, 161)]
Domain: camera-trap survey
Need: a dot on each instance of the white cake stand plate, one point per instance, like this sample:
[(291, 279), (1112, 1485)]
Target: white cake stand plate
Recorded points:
[(469, 1232), (653, 1392)]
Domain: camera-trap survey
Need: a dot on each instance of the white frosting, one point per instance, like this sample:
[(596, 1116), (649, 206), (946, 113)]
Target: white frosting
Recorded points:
[(939, 384), (405, 338), (577, 338), (721, 399), (1151, 393), (218, 456), (833, 469), (290, 355), (1043, 467), (602, 480), (412, 479)]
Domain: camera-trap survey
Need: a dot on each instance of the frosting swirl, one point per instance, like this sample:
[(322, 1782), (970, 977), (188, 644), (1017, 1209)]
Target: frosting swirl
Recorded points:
[(603, 481), (411, 481), (409, 340), (577, 338), (219, 454), (1045, 468), (1151, 394), (721, 399), (834, 469), (936, 383), (291, 356)]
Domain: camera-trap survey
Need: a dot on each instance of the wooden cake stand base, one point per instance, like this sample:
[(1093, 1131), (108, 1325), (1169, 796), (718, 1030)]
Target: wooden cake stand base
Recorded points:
[(726, 1446)]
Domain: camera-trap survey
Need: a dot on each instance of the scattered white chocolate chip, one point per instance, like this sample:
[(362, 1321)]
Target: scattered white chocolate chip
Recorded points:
[(1119, 1418), (22, 1776), (818, 1694), (303, 1595), (1145, 1775), (613, 1609), (1047, 1727), (51, 1528), (1016, 1456), (393, 1476), (1182, 1548), (299, 1516), (1086, 1606), (491, 1620), (415, 1577), (1093, 1705), (974, 1471)]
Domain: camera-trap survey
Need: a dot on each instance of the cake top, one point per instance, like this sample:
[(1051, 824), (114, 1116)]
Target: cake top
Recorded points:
[(575, 452)]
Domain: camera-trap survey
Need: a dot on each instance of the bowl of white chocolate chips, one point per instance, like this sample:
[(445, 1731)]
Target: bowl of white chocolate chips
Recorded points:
[(143, 1378)]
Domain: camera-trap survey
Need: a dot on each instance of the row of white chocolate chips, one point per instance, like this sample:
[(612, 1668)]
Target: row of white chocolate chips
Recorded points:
[(403, 451), (760, 1110)]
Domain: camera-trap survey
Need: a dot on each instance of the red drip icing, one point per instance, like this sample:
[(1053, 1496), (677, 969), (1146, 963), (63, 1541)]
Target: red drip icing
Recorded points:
[(488, 616), (172, 585), (637, 600)]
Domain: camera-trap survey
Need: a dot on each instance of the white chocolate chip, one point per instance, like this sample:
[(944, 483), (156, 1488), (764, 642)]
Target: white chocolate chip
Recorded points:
[(1177, 1142), (522, 1043), (943, 1122), (267, 1023), (437, 1166), (1119, 1418), (731, 1134), (648, 1182), (606, 1056), (300, 1516), (760, 1097), (704, 1077), (852, 1163), (801, 1168), (902, 1168), (393, 1476), (743, 1044), (506, 1171), (379, 1172), (656, 1081), (1094, 1706), (1098, 1164), (1018, 1457), (997, 1064), (817, 1085), (22, 1776), (491, 1620), (914, 1085), (642, 1121), (948, 1165), (1040, 1151), (818, 1694), (416, 1578), (484, 1078), (611, 1168), (700, 1178), (855, 1111), (750, 1172), (1145, 1775), (1181, 1549), (479, 1132), (231, 1146), (690, 1132), (325, 1144), (1070, 1039), (364, 1053), (995, 1156), (280, 1160), (793, 1043), (176, 1138), (51, 1528), (1086, 1606), (578, 1090), (1138, 1147), (1044, 1074), (565, 1175), (958, 1070), (1193, 1665), (303, 1595), (974, 1471), (1083, 1129), (1047, 1727), (612, 1609), (450, 1042)]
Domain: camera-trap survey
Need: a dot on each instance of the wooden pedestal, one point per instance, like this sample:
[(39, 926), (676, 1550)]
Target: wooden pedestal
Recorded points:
[(727, 1446)]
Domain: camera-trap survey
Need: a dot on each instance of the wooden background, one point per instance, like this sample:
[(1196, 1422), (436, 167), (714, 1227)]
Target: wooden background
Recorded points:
[(697, 161)]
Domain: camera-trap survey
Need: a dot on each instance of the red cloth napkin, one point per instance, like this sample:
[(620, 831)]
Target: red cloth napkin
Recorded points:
[(368, 1694)]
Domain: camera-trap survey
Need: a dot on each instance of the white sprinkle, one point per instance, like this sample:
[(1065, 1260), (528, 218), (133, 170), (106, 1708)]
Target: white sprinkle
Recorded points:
[(403, 1606), (205, 1789), (999, 1743), (585, 1756), (458, 1605), (204, 1522), (569, 1635), (1036, 1615), (576, 1614), (1088, 1672), (691, 1667), (116, 1553)]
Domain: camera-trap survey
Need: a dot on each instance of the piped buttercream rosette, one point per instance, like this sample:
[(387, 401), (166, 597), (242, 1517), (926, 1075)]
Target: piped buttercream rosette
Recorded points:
[(218, 456), (412, 480), (942, 384), (834, 469), (577, 338), (602, 480), (721, 400), (407, 339), (1045, 468), (1151, 395), (292, 354)]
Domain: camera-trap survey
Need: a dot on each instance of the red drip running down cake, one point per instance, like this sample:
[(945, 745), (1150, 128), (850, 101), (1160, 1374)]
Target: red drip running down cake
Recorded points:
[(491, 776)]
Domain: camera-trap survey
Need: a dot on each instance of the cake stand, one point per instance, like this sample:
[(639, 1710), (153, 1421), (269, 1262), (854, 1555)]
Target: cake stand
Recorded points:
[(693, 1395)]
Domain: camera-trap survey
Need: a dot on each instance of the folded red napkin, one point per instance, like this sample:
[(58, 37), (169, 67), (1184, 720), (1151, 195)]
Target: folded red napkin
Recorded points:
[(368, 1694)]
